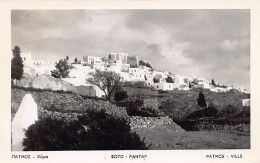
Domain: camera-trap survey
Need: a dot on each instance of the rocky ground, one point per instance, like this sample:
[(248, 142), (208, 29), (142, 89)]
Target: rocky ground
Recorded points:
[(167, 138), (160, 132)]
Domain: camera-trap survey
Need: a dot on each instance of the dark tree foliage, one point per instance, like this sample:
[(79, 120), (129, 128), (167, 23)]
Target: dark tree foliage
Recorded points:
[(169, 79), (120, 95), (62, 69), (135, 107), (201, 100), (134, 84), (213, 82), (142, 63), (92, 131), (55, 73), (16, 64), (155, 80), (76, 60)]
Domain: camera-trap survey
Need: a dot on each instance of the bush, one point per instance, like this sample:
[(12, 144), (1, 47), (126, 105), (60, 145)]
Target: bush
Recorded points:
[(120, 95), (135, 107), (93, 131), (201, 100), (207, 112), (137, 84)]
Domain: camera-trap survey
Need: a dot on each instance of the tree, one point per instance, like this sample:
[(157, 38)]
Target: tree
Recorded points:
[(169, 79), (62, 69), (155, 80), (107, 81), (67, 58), (17, 65), (120, 95), (213, 82), (142, 63), (201, 100), (95, 130), (76, 60)]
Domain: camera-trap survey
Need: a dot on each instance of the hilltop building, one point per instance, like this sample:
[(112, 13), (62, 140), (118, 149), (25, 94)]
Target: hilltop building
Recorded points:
[(133, 61), (129, 68), (92, 60), (113, 57)]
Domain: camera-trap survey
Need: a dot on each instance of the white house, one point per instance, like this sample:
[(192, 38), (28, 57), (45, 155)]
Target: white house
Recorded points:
[(92, 60), (137, 74), (113, 57), (162, 86), (179, 83), (27, 59), (29, 67)]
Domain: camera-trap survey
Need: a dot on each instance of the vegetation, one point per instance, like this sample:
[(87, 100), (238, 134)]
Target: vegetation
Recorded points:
[(120, 95), (16, 65), (135, 107), (62, 69), (138, 84), (107, 81), (169, 79), (142, 63), (92, 131), (213, 82), (201, 100)]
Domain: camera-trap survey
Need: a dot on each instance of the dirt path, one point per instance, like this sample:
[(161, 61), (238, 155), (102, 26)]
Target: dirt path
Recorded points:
[(165, 137)]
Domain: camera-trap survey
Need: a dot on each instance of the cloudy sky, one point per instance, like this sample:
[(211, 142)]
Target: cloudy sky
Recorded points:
[(214, 44)]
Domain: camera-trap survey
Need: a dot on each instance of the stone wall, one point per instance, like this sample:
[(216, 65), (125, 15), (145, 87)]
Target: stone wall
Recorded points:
[(137, 122), (63, 102), (133, 91)]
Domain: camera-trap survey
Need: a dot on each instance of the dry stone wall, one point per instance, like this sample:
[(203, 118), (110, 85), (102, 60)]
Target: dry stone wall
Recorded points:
[(137, 122), (63, 102)]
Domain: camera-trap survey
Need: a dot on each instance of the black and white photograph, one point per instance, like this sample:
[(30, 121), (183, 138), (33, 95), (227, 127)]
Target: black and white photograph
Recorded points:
[(134, 79), (129, 81)]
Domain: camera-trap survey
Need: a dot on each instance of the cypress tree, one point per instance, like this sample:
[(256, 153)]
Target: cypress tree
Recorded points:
[(16, 64)]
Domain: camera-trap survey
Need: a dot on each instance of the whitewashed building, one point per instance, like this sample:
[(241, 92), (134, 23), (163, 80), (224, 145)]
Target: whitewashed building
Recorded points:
[(92, 60), (162, 85), (113, 57)]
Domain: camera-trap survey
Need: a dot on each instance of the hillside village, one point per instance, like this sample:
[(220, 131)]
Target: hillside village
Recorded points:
[(130, 68)]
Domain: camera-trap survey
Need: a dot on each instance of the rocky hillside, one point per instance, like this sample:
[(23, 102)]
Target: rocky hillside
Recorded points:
[(62, 102), (180, 104)]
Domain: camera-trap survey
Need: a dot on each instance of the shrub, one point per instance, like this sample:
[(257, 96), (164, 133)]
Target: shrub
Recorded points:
[(92, 131), (120, 95), (137, 84), (62, 69), (201, 100), (135, 107)]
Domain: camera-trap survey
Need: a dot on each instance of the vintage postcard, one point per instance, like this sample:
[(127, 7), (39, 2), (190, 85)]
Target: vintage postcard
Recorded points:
[(142, 81)]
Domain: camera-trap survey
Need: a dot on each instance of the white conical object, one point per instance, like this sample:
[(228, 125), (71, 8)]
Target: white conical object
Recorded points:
[(26, 115)]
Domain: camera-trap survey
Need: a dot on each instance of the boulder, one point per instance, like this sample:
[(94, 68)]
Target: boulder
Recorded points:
[(26, 115), (51, 83), (86, 90)]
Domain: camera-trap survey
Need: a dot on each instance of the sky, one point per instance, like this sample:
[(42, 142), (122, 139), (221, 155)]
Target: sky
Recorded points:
[(214, 44)]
